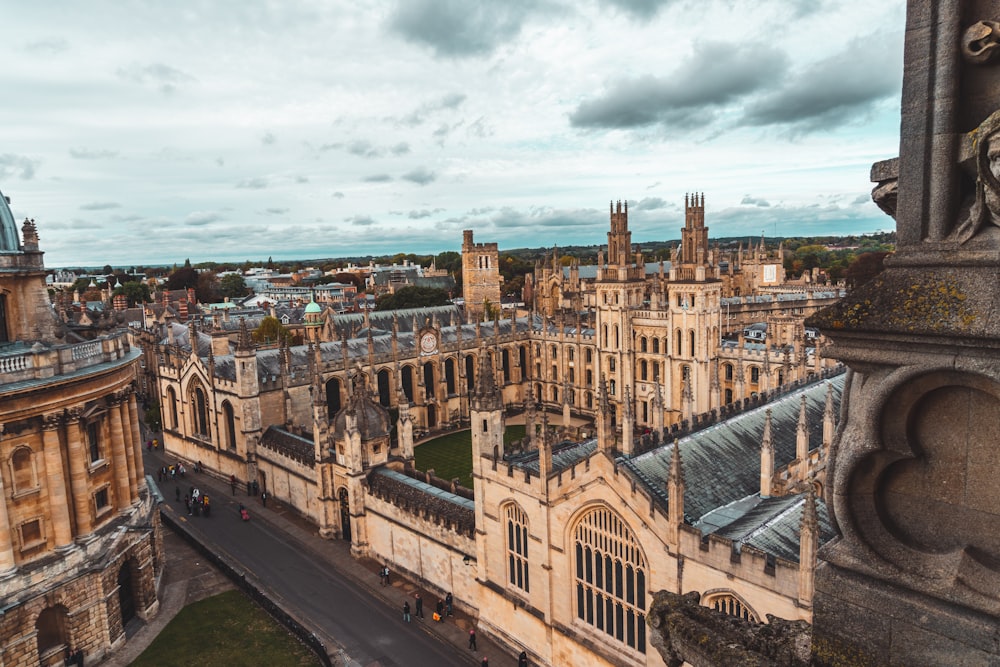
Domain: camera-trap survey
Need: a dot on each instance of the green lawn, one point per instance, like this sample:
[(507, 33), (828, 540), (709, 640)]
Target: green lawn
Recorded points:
[(450, 456), (225, 629)]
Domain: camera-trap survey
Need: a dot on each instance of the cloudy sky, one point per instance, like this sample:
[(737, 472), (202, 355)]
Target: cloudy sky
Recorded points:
[(152, 131)]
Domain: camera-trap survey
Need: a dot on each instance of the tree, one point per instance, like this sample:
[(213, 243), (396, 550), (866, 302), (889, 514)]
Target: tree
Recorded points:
[(207, 289), (135, 292), (183, 278), (152, 416), (233, 286), (271, 330), (412, 297)]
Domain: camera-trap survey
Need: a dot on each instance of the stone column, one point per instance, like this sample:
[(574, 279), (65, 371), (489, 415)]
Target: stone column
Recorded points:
[(133, 421), (7, 566), (134, 464), (55, 481), (119, 461), (79, 473)]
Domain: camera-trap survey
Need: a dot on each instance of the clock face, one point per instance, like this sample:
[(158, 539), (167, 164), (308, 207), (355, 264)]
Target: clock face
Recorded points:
[(428, 343)]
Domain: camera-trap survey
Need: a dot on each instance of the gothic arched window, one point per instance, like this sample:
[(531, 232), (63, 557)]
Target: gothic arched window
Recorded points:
[(610, 577), (230, 417), (200, 411), (517, 546), (732, 605)]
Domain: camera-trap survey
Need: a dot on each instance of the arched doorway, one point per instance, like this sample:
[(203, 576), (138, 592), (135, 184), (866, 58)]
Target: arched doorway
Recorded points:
[(52, 633), (345, 514), (126, 593)]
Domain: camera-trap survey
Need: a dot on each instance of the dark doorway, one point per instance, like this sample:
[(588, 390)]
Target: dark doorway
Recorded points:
[(345, 514), (431, 416), (126, 594)]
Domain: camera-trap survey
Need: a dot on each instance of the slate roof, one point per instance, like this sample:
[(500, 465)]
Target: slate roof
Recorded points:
[(564, 455), (291, 445), (722, 463), (772, 525)]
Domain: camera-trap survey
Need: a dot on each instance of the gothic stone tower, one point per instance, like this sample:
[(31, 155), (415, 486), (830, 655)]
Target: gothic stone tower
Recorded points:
[(693, 292), (480, 274), (620, 289)]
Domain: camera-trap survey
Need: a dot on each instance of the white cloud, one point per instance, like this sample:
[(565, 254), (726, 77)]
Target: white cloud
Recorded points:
[(294, 129)]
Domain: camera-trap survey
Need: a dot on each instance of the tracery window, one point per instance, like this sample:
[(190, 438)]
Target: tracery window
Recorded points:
[(732, 605), (517, 546), (610, 577)]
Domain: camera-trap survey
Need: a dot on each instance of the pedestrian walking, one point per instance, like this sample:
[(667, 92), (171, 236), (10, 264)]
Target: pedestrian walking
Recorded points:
[(385, 572), (232, 484), (448, 602), (263, 498), (522, 660), (472, 639), (406, 612), (485, 662), (439, 614), (420, 605)]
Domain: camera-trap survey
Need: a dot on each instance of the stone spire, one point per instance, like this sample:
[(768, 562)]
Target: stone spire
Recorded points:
[(808, 546), (486, 396), (766, 458), (243, 343), (628, 423), (544, 450), (605, 438), (687, 401), (802, 437), (829, 421), (675, 495)]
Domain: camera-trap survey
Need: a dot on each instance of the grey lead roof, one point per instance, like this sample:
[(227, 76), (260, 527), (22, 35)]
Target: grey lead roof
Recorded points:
[(722, 463)]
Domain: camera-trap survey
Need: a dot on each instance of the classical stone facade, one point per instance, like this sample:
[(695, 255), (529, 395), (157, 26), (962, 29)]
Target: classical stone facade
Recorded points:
[(80, 548)]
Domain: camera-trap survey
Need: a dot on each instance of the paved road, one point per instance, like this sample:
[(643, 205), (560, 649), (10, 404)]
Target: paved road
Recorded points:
[(311, 579)]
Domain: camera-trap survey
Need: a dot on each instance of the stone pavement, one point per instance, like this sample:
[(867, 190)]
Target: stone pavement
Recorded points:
[(299, 531)]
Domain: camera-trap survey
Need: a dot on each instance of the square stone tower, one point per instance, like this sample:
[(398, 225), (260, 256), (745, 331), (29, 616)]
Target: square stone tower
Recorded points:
[(480, 274)]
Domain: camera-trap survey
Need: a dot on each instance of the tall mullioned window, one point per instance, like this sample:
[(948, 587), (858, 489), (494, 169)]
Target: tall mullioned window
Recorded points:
[(610, 578), (94, 441), (517, 546)]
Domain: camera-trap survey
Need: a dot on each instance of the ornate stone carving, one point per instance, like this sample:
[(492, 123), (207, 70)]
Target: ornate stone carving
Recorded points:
[(52, 420), (683, 631), (980, 42), (925, 500), (981, 155)]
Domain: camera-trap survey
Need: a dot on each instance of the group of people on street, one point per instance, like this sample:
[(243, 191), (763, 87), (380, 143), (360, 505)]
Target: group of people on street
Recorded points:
[(173, 471), (196, 502)]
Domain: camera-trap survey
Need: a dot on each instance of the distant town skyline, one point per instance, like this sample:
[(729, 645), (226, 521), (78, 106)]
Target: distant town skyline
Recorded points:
[(149, 133)]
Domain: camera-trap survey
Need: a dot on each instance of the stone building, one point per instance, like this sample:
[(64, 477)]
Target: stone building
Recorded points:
[(80, 551), (480, 274), (330, 427)]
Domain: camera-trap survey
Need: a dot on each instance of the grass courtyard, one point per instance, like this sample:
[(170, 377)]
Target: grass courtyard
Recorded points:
[(225, 629), (450, 456)]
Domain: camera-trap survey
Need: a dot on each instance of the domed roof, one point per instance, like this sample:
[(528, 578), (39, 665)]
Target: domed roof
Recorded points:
[(9, 238), (372, 418), (313, 307)]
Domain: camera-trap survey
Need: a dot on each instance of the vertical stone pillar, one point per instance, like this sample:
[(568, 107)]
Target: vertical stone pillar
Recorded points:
[(119, 460), (79, 473), (7, 565), (127, 443), (133, 422), (55, 481)]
